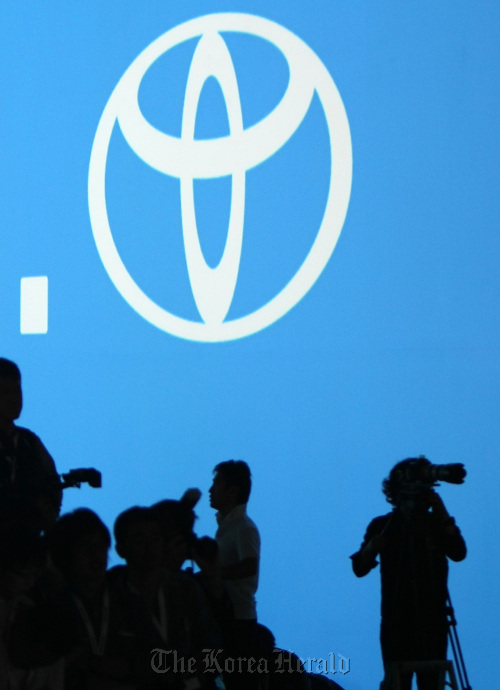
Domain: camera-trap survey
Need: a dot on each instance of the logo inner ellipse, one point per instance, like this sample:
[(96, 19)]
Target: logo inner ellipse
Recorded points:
[(213, 288)]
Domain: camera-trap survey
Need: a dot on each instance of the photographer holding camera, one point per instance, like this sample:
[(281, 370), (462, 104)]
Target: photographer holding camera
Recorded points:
[(414, 542)]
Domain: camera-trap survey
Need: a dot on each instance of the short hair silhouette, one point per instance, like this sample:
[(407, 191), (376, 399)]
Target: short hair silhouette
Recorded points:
[(9, 370), (174, 517), (392, 485), (236, 473), (65, 535), (130, 517)]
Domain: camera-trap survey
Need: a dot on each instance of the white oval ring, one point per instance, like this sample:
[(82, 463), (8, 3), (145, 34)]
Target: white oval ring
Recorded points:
[(212, 158)]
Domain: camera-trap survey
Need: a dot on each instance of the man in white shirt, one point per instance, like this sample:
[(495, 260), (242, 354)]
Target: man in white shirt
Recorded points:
[(237, 536), (239, 553)]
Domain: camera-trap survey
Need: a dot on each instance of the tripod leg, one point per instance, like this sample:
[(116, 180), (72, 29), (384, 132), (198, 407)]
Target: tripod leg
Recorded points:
[(456, 648)]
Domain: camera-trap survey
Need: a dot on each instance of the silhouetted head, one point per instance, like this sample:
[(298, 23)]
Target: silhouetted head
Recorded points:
[(138, 538), (9, 370), (231, 485), (176, 520), (79, 543), (174, 517), (11, 396), (408, 478)]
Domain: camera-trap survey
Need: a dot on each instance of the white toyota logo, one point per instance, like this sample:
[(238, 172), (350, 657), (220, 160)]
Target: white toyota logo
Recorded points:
[(188, 159)]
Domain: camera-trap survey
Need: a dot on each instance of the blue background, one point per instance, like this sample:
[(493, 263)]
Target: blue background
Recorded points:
[(394, 352)]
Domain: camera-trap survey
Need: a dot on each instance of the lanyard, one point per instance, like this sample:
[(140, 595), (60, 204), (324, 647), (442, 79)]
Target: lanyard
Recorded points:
[(96, 644), (161, 622)]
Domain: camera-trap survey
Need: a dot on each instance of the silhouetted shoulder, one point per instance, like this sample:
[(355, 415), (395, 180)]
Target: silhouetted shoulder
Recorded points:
[(363, 560)]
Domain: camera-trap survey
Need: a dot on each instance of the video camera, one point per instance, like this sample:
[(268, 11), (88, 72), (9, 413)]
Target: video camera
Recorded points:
[(419, 475), (75, 478)]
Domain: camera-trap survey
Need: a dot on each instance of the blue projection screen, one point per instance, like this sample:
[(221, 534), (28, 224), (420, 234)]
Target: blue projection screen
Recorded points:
[(264, 231)]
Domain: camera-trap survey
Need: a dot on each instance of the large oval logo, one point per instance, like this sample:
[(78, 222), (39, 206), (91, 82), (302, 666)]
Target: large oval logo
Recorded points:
[(188, 159)]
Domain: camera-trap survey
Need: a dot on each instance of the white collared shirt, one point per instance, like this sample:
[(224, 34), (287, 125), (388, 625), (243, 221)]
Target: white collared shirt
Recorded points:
[(238, 538)]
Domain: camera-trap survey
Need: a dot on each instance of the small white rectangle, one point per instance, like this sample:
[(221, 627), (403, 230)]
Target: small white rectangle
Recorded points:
[(34, 305)]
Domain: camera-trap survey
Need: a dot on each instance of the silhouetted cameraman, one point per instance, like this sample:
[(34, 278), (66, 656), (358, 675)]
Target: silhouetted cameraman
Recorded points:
[(414, 541)]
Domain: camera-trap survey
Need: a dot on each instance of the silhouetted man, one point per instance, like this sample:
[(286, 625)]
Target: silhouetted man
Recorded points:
[(414, 542), (29, 484), (239, 552), (237, 536)]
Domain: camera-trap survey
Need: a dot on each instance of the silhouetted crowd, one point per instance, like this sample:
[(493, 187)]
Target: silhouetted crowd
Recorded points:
[(67, 622)]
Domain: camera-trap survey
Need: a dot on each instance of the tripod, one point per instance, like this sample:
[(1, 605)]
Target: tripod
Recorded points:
[(455, 646)]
